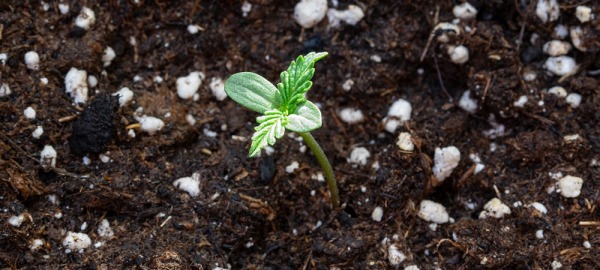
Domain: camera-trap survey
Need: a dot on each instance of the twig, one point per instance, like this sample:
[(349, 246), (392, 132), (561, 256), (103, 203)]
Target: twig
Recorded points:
[(439, 75)]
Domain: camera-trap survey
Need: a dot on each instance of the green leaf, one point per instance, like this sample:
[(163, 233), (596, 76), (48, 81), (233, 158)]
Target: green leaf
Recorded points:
[(253, 92), (306, 118), (295, 81), (271, 128)]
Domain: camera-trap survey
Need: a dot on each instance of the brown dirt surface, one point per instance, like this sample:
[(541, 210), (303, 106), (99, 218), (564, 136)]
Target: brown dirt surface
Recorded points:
[(252, 214)]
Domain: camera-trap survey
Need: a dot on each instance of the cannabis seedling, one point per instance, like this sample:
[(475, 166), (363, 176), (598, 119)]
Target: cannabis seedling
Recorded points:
[(283, 107)]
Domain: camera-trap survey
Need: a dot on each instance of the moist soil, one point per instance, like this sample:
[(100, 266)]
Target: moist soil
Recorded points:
[(251, 213)]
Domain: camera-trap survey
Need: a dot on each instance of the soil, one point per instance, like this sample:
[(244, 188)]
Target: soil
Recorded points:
[(251, 213)]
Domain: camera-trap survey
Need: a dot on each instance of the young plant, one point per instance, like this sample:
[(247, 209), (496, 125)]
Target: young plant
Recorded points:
[(283, 107)]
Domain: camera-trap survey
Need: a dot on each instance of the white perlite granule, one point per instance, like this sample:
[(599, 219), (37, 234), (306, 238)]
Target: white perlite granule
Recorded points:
[(433, 212), (76, 241), (445, 160)]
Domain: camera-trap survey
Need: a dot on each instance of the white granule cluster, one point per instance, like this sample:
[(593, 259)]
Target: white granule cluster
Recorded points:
[(32, 60), (351, 16), (398, 113), (125, 96), (191, 185), (308, 13), (494, 208), (570, 186), (76, 241), (48, 156), (104, 229), (86, 18), (433, 212), (351, 115), (217, 87), (76, 85), (188, 86), (151, 124), (445, 160), (359, 155)]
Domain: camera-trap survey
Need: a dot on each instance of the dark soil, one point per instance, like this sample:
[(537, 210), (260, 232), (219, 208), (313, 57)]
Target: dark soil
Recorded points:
[(251, 213)]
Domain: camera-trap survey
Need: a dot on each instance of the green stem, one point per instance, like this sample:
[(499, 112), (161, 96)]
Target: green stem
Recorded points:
[(325, 165)]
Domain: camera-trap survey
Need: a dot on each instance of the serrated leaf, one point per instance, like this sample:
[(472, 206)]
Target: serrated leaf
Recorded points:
[(253, 92), (306, 118), (295, 81), (271, 127)]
